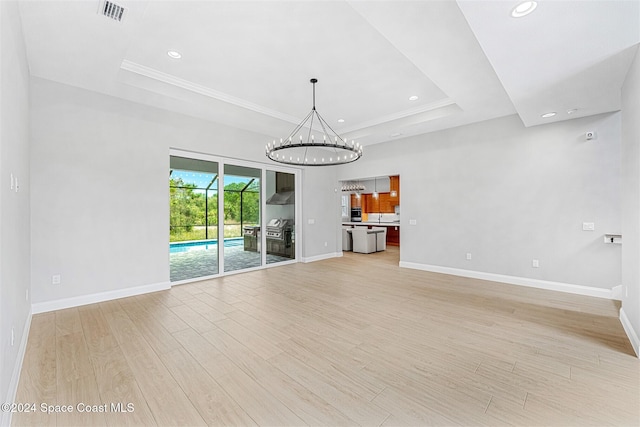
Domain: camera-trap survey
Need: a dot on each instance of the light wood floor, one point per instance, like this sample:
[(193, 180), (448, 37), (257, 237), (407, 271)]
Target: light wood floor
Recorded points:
[(348, 341)]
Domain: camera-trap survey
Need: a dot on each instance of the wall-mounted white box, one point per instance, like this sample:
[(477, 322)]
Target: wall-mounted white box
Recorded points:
[(613, 238)]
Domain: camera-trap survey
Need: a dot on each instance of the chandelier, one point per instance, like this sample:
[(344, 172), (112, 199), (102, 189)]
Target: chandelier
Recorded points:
[(302, 148), (353, 186)]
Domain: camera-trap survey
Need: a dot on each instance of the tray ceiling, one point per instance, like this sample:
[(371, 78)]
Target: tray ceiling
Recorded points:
[(248, 64)]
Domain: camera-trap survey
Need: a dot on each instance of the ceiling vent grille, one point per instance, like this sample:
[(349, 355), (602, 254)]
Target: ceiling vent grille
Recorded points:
[(112, 10)]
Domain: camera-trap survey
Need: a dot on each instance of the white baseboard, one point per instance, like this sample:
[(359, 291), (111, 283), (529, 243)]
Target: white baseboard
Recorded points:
[(616, 293), (321, 257), (631, 333), (5, 417), (513, 280), (43, 307)]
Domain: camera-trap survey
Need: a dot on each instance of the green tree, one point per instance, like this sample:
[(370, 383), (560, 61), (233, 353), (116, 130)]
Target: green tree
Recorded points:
[(250, 202), (188, 207)]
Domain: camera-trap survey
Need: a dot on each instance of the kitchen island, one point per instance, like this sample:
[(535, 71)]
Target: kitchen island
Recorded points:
[(393, 229)]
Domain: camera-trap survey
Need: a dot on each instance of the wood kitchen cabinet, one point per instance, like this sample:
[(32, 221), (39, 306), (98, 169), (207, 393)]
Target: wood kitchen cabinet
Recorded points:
[(380, 204), (356, 202), (393, 236), (394, 186), (368, 203), (386, 204)]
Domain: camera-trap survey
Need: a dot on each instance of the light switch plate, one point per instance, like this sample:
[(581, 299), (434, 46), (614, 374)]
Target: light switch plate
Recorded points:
[(588, 226)]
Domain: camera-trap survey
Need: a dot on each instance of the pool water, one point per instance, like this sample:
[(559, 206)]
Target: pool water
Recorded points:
[(203, 245)]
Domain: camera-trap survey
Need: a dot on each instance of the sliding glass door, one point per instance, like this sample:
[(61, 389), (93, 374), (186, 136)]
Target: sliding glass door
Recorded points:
[(193, 218), (242, 234), (280, 215), (226, 217)]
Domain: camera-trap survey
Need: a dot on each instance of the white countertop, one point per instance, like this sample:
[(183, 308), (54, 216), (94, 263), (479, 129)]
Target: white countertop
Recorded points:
[(379, 224)]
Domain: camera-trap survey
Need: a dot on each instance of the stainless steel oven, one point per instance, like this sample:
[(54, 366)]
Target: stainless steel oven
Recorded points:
[(356, 214)]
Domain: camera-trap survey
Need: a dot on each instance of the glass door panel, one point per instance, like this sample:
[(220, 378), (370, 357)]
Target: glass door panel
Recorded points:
[(280, 216), (242, 232), (193, 218)]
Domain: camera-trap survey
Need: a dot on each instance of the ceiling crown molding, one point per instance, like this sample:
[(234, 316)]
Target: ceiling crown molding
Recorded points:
[(203, 90)]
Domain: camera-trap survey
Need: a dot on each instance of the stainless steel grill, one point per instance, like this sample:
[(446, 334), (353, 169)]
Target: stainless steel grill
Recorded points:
[(279, 229)]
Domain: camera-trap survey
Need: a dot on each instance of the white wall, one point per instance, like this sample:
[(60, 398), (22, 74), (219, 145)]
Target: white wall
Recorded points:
[(99, 179), (320, 205), (631, 202), (509, 194), (14, 207)]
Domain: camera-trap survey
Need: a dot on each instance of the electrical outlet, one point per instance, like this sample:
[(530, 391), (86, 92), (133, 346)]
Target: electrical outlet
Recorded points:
[(535, 263), (326, 244), (55, 279), (468, 255), (413, 222), (12, 182), (13, 336), (588, 226), (17, 184)]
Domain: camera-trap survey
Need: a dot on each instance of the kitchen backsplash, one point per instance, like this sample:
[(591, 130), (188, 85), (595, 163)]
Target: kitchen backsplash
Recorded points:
[(383, 217)]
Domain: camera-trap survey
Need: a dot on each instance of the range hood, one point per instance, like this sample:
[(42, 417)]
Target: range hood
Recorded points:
[(282, 198)]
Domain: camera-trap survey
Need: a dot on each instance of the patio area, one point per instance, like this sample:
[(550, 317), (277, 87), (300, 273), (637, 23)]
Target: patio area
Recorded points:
[(204, 261)]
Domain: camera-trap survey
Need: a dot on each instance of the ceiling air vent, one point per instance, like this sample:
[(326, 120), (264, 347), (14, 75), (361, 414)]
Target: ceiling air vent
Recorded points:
[(112, 10)]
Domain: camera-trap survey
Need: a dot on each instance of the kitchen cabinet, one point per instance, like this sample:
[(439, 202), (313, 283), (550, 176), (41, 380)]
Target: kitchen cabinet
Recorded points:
[(281, 248), (367, 203), (285, 182), (393, 236), (394, 185), (356, 202), (380, 204), (386, 204)]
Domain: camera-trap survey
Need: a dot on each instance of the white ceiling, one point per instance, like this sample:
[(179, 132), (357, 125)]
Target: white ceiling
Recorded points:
[(248, 63)]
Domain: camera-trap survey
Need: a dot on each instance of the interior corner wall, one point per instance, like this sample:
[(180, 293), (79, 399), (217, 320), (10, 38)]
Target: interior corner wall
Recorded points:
[(100, 200), (508, 194), (320, 213), (14, 205), (631, 200)]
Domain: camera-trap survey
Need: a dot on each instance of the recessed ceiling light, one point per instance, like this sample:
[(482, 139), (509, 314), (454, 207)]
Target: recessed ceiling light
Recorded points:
[(413, 97), (547, 115), (340, 120), (524, 8), (573, 110), (174, 54)]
